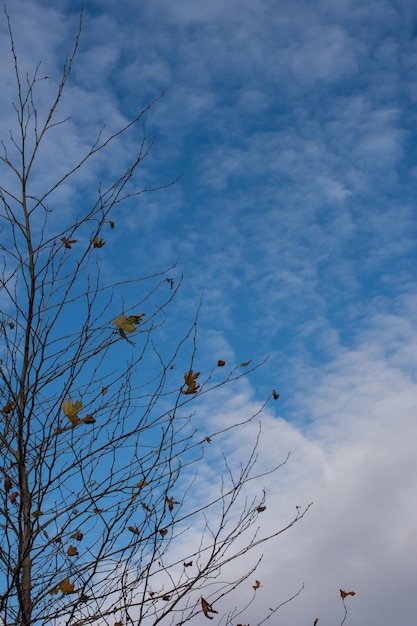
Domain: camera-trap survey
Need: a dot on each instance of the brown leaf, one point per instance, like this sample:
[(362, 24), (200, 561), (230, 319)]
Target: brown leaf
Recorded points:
[(221, 363), (77, 535), (8, 407), (72, 551), (97, 510), (275, 395), (66, 586), (89, 419), (142, 483), (166, 597), (163, 532), (98, 242), (261, 509), (68, 242), (13, 497), (111, 224), (7, 484), (190, 379), (104, 391), (344, 594), (171, 503), (189, 564), (256, 585), (133, 529), (207, 608)]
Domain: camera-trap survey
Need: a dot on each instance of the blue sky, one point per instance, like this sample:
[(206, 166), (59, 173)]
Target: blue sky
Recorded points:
[(293, 127)]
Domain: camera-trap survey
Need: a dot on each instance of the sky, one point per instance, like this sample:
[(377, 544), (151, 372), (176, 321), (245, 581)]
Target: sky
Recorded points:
[(293, 128)]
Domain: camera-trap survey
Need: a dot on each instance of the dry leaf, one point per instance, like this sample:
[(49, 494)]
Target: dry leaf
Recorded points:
[(97, 510), (142, 483), (171, 503), (189, 564), (190, 379), (89, 419), (163, 532), (77, 535), (13, 497), (275, 395), (104, 391), (133, 529), (245, 363), (111, 224), (261, 509), (72, 551), (98, 242), (344, 594), (166, 597), (7, 484), (117, 623), (54, 591), (66, 586), (68, 242), (221, 363), (256, 585), (145, 507), (8, 407), (207, 608)]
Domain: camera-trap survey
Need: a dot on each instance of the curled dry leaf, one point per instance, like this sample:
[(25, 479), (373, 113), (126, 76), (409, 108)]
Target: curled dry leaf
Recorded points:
[(72, 551), (89, 419), (190, 379), (7, 484), (13, 497), (104, 391), (133, 529), (261, 509), (275, 394), (256, 585), (171, 502), (163, 532), (188, 564), (221, 363), (207, 608), (344, 594), (8, 407)]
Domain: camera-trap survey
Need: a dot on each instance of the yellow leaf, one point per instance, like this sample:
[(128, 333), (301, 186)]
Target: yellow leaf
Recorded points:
[(71, 410), (190, 379), (66, 586), (245, 363), (207, 608), (128, 324), (37, 514)]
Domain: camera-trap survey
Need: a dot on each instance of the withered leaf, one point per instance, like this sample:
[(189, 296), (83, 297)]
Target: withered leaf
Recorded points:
[(104, 391), (261, 509), (142, 483), (166, 597), (256, 585), (190, 379), (207, 608), (163, 532), (72, 551), (98, 242), (344, 594), (245, 363), (97, 510), (89, 419), (66, 586), (8, 407), (71, 409), (275, 395), (188, 564), (171, 502), (68, 242), (111, 224), (77, 535), (221, 363), (7, 484), (145, 507), (133, 529)]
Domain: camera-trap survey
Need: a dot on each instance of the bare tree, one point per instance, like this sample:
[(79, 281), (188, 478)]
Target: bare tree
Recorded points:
[(101, 465)]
